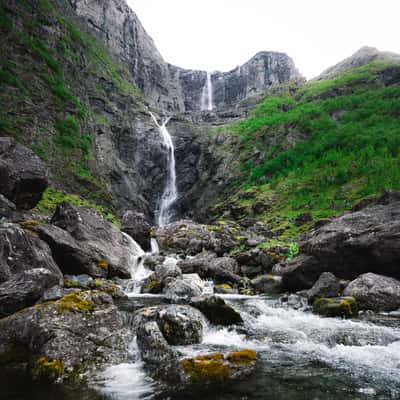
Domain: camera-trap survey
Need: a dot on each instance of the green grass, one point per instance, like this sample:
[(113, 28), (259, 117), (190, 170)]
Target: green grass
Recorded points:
[(350, 146)]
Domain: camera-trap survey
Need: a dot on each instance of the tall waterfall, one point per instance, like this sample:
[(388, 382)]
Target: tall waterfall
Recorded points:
[(170, 193), (207, 95)]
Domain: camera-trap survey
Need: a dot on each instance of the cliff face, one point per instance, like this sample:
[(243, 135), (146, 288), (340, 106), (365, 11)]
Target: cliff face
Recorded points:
[(166, 86)]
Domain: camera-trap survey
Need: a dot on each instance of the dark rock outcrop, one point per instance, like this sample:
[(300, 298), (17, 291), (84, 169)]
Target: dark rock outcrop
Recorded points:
[(97, 237), (27, 269), (136, 225), (216, 310), (326, 286), (23, 176), (375, 292), (267, 283), (59, 340), (350, 245)]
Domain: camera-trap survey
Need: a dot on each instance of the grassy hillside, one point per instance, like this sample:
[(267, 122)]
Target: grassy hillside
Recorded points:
[(55, 81), (319, 148)]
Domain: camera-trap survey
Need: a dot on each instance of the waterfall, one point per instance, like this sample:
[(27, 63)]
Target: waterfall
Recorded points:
[(207, 95), (170, 193), (136, 266)]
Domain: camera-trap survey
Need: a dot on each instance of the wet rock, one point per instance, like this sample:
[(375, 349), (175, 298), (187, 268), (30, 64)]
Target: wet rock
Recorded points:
[(152, 261), (216, 310), (180, 325), (336, 307), (209, 266), (350, 245), (375, 292), (218, 368), (7, 208), (60, 340), (136, 225), (163, 275), (23, 176), (182, 288), (224, 288), (97, 237), (326, 286), (267, 284), (190, 238)]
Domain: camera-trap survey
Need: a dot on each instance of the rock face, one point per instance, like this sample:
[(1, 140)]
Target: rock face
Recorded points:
[(78, 333), (102, 244), (23, 176), (375, 292), (27, 269), (355, 243), (137, 226), (326, 286)]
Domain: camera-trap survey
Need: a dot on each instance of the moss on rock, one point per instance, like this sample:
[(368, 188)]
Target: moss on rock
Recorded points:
[(74, 302)]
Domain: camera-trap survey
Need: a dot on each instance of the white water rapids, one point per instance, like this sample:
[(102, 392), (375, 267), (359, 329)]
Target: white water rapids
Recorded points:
[(170, 193)]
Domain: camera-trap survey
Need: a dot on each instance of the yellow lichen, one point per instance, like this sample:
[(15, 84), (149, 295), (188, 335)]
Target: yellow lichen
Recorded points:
[(245, 356), (151, 284), (206, 369), (223, 286), (68, 283), (50, 370), (74, 302), (102, 264)]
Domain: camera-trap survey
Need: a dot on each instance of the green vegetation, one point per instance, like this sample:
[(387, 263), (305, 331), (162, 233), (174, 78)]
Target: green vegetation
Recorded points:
[(6, 23), (52, 197), (326, 146)]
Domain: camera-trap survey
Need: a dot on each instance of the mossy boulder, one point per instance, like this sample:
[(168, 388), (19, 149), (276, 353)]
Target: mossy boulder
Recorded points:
[(218, 368), (345, 307)]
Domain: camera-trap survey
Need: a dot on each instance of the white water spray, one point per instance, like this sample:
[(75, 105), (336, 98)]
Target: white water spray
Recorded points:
[(170, 193), (207, 95)]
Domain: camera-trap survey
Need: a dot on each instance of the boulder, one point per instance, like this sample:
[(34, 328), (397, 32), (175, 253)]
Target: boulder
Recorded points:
[(216, 310), (267, 284), (27, 269), (164, 274), (224, 288), (23, 176), (336, 307), (7, 208), (136, 225), (180, 325), (326, 286), (96, 236), (188, 237), (218, 368), (189, 285), (256, 258), (350, 245), (209, 266), (60, 340), (375, 292)]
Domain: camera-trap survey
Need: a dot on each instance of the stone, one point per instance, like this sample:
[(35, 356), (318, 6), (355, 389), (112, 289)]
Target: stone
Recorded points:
[(336, 307), (267, 284), (180, 325), (180, 288), (326, 286), (23, 176), (7, 208), (303, 219), (218, 368), (62, 339), (375, 292), (224, 288), (137, 226), (350, 245), (164, 274), (216, 310), (106, 245)]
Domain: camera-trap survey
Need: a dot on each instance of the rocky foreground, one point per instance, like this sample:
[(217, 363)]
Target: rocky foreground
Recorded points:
[(61, 279)]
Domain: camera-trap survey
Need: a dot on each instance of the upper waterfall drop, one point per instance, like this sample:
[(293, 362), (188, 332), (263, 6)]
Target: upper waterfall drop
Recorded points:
[(170, 193), (207, 94)]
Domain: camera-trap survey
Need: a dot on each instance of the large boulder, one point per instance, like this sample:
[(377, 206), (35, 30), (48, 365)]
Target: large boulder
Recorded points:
[(27, 269), (23, 176), (326, 286), (163, 275), (216, 310), (136, 225), (180, 325), (209, 266), (190, 285), (350, 245), (345, 307), (188, 237), (103, 244), (267, 283), (61, 340), (375, 292)]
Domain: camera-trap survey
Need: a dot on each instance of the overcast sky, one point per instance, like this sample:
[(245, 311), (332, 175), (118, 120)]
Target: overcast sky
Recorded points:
[(221, 34)]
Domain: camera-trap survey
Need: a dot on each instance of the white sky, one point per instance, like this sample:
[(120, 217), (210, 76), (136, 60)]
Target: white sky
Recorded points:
[(221, 34)]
